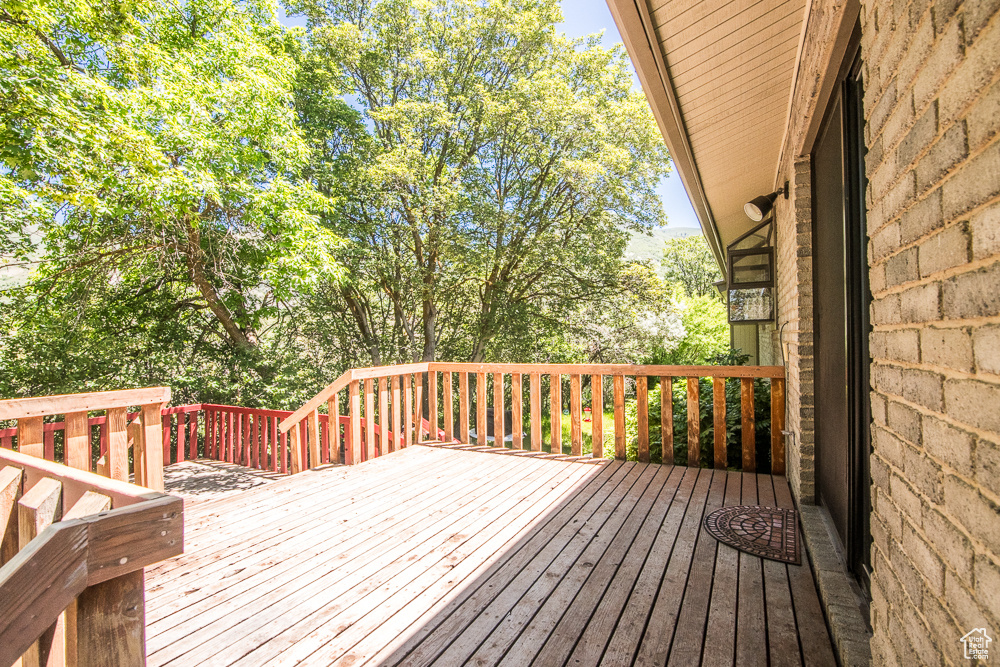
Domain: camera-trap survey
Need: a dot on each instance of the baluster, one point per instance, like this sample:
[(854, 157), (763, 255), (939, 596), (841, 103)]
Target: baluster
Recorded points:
[(642, 417), (432, 404), (535, 398), (749, 431), (370, 419), (312, 424), (76, 443), (167, 423), (777, 426), (449, 407), (597, 416), (40, 507), (481, 427), (396, 415), (117, 422), (181, 433), (283, 452), (383, 415), (193, 434), (575, 418), (293, 432), (499, 436), (667, 419), (694, 423), (50, 443), (463, 408), (154, 455), (333, 409), (407, 411), (555, 413), (516, 412), (10, 493), (719, 423), (618, 385), (418, 408)]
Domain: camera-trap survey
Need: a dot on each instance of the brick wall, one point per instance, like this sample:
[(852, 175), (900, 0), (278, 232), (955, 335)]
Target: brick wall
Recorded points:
[(932, 105), (795, 322)]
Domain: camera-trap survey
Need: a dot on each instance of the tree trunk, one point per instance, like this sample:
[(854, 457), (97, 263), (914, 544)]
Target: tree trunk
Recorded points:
[(243, 340)]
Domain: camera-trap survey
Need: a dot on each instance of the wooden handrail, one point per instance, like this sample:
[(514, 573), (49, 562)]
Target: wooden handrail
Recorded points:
[(40, 406), (614, 369), (341, 383), (97, 554)]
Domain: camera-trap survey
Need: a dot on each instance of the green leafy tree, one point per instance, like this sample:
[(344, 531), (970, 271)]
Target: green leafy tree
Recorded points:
[(154, 148), (689, 263), (507, 165)]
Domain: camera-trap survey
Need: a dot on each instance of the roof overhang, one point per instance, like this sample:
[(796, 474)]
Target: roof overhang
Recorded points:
[(718, 75)]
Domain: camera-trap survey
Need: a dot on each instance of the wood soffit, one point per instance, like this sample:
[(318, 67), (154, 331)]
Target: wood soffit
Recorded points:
[(719, 76)]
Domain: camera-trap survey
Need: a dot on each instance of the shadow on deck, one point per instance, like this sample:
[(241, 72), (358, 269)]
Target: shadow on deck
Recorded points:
[(438, 556)]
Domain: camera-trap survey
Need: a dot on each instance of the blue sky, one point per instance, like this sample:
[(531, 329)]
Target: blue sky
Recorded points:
[(585, 17)]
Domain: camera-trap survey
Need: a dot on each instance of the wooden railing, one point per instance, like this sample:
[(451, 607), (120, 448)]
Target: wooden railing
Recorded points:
[(425, 394), (118, 431), (73, 544)]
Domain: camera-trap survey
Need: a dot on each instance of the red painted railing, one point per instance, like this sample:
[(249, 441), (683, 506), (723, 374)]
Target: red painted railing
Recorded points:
[(245, 436)]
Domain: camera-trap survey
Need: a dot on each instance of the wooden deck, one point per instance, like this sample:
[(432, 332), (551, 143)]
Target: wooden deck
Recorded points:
[(431, 556)]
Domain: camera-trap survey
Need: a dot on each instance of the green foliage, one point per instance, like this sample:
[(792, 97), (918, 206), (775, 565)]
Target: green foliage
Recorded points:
[(505, 168), (689, 263), (155, 150), (706, 421)]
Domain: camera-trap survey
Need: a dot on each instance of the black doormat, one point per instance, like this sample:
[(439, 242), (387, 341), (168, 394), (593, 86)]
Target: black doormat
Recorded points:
[(768, 532)]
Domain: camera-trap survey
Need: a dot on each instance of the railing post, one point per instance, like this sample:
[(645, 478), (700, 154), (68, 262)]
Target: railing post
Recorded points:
[(719, 423), (642, 417), (749, 430), (667, 419), (111, 623)]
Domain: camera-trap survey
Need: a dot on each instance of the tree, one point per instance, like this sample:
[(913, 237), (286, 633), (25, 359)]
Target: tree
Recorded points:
[(689, 263), (155, 148), (507, 164)]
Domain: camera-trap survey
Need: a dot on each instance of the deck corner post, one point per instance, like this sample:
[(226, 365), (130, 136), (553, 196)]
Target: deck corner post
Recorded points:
[(111, 623)]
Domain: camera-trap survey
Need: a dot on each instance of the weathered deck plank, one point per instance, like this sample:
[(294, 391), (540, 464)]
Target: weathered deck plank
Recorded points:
[(442, 556)]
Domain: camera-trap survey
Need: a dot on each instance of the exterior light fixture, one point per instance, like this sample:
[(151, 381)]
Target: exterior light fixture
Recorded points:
[(758, 207)]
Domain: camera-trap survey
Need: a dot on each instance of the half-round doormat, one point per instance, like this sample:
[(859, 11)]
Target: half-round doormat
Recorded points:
[(768, 532)]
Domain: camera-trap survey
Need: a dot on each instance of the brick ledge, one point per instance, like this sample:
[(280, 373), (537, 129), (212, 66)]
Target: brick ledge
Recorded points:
[(839, 594)]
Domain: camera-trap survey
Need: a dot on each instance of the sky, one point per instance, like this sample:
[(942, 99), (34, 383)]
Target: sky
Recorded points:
[(586, 17)]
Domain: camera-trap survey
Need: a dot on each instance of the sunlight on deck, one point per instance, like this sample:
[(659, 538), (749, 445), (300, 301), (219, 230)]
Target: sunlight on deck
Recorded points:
[(454, 557)]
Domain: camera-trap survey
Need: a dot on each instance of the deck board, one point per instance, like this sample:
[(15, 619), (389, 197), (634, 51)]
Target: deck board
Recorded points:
[(446, 556)]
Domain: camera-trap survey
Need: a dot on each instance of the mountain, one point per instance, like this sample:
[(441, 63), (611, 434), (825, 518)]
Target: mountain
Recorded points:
[(650, 246)]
